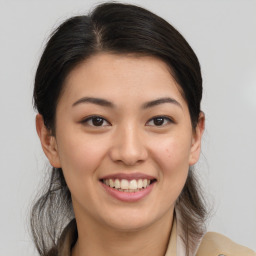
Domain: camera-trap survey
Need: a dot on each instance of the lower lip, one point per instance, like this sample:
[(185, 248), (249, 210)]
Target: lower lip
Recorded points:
[(128, 196)]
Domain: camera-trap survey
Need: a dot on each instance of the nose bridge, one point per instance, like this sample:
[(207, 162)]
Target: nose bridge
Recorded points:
[(129, 144)]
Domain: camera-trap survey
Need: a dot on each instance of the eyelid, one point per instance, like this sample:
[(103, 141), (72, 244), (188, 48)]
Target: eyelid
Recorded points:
[(169, 120), (89, 118)]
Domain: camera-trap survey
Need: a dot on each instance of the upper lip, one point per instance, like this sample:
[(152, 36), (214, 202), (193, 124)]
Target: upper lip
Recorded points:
[(128, 176)]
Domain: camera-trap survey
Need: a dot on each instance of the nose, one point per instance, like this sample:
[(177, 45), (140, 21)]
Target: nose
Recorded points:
[(128, 146)]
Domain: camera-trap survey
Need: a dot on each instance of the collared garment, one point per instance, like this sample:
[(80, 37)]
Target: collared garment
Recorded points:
[(212, 244)]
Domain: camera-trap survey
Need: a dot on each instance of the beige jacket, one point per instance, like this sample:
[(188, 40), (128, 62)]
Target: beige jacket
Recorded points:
[(212, 244)]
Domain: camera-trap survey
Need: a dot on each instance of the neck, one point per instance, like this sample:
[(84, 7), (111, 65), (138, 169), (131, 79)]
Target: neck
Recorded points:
[(95, 239)]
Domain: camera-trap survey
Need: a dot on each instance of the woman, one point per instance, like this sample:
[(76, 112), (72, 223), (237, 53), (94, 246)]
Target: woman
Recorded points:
[(118, 96)]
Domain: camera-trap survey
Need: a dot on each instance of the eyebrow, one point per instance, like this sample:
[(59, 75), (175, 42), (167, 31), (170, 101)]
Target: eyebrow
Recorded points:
[(161, 101), (97, 101), (106, 103)]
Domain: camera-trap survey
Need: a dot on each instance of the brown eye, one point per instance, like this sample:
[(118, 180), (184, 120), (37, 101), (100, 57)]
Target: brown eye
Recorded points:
[(95, 121), (159, 121)]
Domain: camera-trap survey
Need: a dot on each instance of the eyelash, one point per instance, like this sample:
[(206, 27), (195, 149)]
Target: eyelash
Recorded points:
[(89, 121), (167, 120)]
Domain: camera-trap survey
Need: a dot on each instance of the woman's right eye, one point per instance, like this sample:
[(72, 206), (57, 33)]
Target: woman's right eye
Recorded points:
[(96, 121)]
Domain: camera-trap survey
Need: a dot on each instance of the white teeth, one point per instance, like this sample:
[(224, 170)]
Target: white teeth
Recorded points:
[(126, 185), (145, 183), (133, 184), (140, 183), (117, 184), (111, 183)]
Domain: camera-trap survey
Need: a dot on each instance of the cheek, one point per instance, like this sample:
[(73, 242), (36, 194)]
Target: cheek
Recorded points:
[(79, 155), (172, 157), (80, 158), (172, 154)]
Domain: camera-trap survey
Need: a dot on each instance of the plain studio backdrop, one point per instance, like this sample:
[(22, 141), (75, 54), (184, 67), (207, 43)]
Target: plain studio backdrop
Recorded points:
[(223, 35)]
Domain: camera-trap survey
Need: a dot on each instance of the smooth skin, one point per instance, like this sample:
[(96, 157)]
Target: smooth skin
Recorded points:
[(133, 131)]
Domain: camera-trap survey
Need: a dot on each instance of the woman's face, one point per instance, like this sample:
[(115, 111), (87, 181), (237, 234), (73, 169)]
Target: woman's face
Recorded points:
[(124, 140)]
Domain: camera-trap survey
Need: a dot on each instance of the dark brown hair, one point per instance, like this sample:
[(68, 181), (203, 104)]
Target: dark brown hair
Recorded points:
[(119, 29)]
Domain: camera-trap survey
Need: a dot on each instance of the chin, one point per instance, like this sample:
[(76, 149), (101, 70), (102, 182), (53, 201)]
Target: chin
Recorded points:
[(130, 220)]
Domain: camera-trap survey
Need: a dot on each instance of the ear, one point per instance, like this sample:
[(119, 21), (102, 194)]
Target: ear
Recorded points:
[(48, 142), (196, 140)]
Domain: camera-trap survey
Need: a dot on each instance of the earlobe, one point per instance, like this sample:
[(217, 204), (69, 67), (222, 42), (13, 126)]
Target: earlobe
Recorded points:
[(197, 138), (48, 142)]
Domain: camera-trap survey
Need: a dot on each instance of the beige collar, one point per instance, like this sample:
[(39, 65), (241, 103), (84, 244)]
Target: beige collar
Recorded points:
[(176, 245), (171, 249)]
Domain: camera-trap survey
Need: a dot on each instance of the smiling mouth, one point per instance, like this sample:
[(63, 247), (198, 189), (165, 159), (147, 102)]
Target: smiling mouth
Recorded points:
[(130, 186)]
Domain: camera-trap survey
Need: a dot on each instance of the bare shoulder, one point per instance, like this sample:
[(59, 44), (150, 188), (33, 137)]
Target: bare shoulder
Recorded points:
[(215, 244)]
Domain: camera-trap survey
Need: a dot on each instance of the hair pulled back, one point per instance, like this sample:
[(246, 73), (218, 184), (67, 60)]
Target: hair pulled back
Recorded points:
[(119, 29)]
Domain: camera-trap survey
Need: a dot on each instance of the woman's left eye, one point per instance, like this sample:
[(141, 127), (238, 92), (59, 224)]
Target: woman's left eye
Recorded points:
[(96, 121), (159, 121)]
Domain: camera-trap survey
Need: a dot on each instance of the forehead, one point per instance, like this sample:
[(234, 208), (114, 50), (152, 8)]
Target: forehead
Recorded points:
[(116, 76)]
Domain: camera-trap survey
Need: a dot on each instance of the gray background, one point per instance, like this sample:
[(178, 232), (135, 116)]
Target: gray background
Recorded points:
[(222, 33)]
